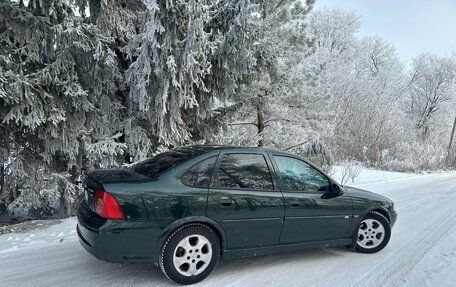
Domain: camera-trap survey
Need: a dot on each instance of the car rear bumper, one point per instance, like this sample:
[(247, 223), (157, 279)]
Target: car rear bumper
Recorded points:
[(93, 242), (115, 240)]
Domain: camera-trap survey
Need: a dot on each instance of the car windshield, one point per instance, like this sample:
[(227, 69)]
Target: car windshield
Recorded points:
[(160, 163)]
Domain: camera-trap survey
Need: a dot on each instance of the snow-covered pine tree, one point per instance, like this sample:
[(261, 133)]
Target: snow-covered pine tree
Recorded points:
[(57, 76), (265, 101), (94, 83)]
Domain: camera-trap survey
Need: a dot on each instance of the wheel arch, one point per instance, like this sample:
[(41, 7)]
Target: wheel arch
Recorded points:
[(383, 212), (214, 226), (378, 209)]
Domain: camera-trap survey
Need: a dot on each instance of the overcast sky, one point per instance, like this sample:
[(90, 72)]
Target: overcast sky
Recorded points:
[(412, 26)]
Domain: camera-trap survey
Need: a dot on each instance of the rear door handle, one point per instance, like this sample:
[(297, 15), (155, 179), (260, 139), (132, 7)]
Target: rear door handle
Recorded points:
[(225, 201), (294, 204)]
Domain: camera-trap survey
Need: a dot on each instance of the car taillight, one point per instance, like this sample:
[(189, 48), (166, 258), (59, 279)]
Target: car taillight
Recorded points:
[(107, 206)]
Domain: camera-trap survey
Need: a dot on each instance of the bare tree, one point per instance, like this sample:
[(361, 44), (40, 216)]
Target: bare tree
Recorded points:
[(431, 89)]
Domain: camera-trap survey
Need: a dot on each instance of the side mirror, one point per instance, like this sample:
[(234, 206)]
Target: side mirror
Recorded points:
[(334, 190)]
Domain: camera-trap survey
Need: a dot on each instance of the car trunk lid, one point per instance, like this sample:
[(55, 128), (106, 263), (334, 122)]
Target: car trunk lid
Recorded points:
[(98, 179)]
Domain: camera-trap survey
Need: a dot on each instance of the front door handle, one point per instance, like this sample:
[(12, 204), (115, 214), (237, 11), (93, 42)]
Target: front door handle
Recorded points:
[(225, 201), (294, 204)]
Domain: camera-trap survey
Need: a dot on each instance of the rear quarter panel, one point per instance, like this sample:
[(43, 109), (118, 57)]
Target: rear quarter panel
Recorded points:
[(159, 206)]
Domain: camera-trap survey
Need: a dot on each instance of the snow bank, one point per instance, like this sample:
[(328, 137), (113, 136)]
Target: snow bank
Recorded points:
[(369, 176), (37, 238)]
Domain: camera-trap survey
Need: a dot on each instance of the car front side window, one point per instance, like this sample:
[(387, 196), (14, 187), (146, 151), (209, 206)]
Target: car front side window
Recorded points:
[(297, 175)]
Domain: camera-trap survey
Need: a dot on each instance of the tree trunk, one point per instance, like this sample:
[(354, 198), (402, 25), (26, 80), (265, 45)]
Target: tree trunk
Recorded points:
[(2, 179), (94, 8), (260, 125), (452, 134)]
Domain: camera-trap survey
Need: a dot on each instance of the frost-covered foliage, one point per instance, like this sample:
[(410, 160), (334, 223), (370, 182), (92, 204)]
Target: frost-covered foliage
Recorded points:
[(92, 84), (350, 171), (432, 95), (354, 96), (267, 101), (96, 84), (317, 152)]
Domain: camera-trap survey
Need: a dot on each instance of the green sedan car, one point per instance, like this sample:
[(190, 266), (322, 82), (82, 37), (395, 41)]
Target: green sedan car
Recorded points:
[(186, 208)]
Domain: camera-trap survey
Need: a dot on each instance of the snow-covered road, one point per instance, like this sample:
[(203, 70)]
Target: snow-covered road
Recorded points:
[(422, 251)]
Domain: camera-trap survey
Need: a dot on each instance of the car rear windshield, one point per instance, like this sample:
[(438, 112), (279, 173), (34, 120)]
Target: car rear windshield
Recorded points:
[(158, 164)]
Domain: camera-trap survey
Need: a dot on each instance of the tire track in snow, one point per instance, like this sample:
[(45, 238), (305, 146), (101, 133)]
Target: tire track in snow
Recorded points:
[(421, 238), (425, 207)]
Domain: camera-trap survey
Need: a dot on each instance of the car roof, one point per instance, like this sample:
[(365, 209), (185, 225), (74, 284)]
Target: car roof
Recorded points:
[(201, 149)]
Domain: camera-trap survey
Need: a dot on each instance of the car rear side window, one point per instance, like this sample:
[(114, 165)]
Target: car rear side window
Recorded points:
[(162, 162), (297, 175), (249, 171), (199, 175)]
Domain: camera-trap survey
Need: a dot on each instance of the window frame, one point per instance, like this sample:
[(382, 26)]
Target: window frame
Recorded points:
[(279, 176), (269, 165)]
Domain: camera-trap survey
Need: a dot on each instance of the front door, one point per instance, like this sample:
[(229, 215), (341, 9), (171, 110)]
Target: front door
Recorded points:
[(243, 200), (310, 215)]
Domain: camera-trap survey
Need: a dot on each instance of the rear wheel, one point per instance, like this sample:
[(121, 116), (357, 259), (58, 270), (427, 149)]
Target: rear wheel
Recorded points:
[(190, 254), (373, 233)]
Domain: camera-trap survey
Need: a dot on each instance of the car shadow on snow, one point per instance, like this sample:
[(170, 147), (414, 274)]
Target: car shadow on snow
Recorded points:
[(122, 274), (284, 258), (146, 274)]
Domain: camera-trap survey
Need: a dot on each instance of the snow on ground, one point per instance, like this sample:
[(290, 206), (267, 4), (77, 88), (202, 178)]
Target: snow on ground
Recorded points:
[(422, 250), (368, 176), (38, 238), (438, 265), (26, 226)]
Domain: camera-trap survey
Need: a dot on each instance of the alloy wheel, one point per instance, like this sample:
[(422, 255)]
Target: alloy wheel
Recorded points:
[(192, 255), (371, 233)]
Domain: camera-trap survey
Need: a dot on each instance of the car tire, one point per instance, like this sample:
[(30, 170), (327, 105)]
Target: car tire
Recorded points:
[(373, 233), (190, 254)]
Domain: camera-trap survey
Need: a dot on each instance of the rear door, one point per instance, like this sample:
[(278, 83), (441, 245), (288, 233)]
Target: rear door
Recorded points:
[(244, 201), (310, 215)]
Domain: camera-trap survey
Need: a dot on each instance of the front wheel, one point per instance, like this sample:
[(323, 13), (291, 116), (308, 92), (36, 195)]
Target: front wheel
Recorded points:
[(190, 254), (373, 233)]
